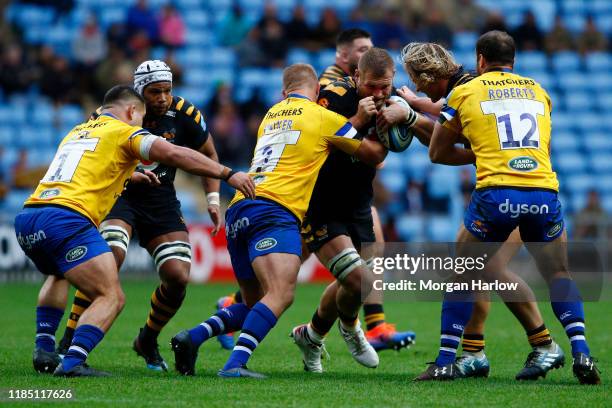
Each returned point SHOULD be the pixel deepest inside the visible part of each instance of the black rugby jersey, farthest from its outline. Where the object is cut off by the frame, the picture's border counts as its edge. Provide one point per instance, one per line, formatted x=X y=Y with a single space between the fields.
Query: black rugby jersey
x=343 y=190
x=182 y=125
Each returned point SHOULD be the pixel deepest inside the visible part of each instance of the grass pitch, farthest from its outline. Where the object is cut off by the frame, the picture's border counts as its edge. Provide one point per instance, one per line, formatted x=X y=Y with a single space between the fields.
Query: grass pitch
x=344 y=383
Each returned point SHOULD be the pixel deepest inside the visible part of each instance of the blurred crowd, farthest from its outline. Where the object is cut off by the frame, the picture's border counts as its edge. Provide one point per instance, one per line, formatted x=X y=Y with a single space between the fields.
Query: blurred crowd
x=100 y=58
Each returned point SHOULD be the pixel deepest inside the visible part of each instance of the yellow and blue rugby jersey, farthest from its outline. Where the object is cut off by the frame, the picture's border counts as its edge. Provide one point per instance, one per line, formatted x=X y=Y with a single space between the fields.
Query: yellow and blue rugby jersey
x=92 y=165
x=506 y=118
x=293 y=141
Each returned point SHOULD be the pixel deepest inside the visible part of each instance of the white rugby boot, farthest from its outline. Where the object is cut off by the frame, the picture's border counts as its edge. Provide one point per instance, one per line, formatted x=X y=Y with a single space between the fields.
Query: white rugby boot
x=358 y=345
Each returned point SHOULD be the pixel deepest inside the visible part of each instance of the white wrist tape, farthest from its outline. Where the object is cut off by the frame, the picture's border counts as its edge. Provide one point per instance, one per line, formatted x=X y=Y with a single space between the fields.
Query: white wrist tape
x=213 y=198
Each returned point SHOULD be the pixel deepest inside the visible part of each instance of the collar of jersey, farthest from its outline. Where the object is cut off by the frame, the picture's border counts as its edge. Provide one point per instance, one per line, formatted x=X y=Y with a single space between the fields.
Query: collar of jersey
x=297 y=95
x=110 y=115
x=500 y=69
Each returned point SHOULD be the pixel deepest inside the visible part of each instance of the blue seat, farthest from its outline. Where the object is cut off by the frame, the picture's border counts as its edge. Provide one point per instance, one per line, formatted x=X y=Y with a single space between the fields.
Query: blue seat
x=598 y=62
x=579 y=102
x=417 y=163
x=464 y=41
x=253 y=77
x=189 y=207
x=566 y=61
x=467 y=59
x=43 y=114
x=588 y=123
x=569 y=162
x=411 y=227
x=225 y=75
x=14 y=200
x=197 y=77
x=401 y=78
x=604 y=100
x=196 y=19
x=223 y=57
x=572 y=82
x=564 y=140
x=6 y=136
x=40 y=157
x=530 y=61
x=191 y=56
x=195 y=95
x=443 y=181
x=597 y=142
x=545 y=80
x=606 y=203
x=597 y=7
x=71 y=115
x=299 y=55
x=579 y=183
x=189 y=4
x=441 y=229
x=602 y=162
x=393 y=162
x=394 y=181
x=604 y=184
x=325 y=58
x=198 y=38
x=562 y=120
x=111 y=15
x=600 y=81
x=575 y=203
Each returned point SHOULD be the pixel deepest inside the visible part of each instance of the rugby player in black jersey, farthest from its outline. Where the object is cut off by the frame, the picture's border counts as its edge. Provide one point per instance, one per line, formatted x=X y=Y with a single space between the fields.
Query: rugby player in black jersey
x=154 y=212
x=339 y=218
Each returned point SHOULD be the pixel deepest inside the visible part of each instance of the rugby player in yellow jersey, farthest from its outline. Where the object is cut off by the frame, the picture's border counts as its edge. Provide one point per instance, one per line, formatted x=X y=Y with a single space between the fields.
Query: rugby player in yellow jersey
x=435 y=73
x=293 y=142
x=57 y=229
x=506 y=118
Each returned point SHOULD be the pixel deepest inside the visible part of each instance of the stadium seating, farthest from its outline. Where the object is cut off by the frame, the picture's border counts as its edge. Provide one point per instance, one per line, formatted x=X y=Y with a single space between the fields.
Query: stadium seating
x=579 y=86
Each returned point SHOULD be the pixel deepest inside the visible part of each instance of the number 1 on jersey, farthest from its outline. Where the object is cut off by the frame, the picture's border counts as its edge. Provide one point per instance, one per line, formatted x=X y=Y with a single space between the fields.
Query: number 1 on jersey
x=67 y=159
x=516 y=118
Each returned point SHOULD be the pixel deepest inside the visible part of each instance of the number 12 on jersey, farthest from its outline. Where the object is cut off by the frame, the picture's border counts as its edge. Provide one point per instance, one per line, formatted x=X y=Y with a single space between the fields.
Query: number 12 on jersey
x=517 y=124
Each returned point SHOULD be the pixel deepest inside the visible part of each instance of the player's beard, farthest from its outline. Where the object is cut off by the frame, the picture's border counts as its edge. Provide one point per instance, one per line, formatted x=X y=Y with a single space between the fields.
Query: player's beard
x=380 y=103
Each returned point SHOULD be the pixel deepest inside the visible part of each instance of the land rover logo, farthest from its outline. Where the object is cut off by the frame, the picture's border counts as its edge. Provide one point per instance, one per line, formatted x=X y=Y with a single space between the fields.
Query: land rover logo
x=265 y=243
x=76 y=253
x=49 y=193
x=523 y=163
x=555 y=229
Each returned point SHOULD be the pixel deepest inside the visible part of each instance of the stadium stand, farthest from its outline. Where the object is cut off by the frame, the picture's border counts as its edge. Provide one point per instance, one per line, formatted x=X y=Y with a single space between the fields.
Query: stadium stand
x=31 y=118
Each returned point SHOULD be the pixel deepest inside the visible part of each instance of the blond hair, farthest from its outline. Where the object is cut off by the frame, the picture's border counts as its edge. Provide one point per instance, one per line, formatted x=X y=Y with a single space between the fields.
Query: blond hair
x=428 y=62
x=298 y=76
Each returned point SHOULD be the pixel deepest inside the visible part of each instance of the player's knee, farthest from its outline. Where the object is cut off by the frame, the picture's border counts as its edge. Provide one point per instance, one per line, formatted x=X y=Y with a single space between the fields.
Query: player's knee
x=175 y=274
x=118 y=240
x=344 y=263
x=119 y=300
x=283 y=292
x=287 y=298
x=358 y=282
x=174 y=252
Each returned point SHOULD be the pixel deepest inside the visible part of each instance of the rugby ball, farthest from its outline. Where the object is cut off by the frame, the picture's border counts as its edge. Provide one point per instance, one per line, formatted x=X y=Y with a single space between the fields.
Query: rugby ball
x=397 y=138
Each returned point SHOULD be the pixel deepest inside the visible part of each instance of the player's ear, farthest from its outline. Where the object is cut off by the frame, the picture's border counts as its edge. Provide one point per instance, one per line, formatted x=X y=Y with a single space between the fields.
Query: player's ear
x=480 y=63
x=130 y=112
x=285 y=93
